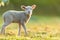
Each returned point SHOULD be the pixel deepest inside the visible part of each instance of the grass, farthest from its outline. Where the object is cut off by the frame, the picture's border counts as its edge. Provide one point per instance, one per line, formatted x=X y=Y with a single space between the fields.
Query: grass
x=38 y=28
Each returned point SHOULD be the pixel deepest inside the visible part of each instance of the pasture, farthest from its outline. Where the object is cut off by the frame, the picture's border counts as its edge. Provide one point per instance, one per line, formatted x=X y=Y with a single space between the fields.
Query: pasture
x=38 y=28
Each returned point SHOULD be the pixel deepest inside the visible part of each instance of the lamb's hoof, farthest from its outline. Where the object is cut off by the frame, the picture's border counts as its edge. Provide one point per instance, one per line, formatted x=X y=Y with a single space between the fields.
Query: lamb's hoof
x=18 y=34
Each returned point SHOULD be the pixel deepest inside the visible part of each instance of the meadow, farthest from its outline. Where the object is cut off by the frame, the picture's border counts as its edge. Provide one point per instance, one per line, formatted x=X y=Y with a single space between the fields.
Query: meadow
x=38 y=28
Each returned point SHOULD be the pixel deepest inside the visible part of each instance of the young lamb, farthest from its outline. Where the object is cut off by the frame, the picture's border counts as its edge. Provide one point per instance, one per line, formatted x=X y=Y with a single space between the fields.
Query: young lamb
x=20 y=17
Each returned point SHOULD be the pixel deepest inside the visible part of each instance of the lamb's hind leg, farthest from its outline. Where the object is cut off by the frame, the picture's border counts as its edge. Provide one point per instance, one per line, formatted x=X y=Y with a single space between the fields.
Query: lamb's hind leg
x=3 y=28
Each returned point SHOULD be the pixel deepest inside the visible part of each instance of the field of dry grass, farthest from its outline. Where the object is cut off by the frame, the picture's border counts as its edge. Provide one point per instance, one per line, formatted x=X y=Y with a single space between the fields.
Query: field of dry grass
x=38 y=28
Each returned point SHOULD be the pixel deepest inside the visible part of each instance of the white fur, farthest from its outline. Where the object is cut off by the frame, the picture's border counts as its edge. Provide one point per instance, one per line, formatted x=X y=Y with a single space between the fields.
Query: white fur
x=20 y=17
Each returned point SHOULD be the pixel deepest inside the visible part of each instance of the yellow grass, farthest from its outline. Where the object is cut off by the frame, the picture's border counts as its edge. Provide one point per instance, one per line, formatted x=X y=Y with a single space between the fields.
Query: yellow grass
x=38 y=29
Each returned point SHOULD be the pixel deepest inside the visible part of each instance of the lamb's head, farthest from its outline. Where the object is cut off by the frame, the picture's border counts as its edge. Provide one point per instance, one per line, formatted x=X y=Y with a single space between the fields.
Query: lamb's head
x=28 y=9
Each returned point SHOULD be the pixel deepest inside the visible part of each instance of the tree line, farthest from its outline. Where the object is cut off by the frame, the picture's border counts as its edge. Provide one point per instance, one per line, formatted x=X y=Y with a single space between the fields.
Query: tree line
x=44 y=7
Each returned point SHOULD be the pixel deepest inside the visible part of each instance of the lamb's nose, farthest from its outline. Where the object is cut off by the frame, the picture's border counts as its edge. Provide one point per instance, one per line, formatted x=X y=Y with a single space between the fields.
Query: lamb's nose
x=28 y=11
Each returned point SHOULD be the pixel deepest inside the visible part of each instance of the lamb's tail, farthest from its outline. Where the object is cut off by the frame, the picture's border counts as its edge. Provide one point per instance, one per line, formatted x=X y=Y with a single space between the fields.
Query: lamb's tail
x=4 y=19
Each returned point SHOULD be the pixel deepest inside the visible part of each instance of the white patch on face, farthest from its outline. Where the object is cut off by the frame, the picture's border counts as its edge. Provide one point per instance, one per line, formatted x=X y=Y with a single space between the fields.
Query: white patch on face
x=28 y=9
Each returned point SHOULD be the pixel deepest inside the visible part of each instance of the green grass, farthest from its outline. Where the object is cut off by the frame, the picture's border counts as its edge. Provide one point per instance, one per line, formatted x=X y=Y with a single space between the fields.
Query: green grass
x=38 y=28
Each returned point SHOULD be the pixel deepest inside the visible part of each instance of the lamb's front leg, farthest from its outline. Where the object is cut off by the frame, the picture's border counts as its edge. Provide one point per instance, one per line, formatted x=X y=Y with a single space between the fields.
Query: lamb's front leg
x=19 y=29
x=24 y=27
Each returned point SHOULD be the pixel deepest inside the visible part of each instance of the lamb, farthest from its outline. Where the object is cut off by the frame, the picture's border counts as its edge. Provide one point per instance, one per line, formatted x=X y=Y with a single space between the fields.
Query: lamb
x=20 y=17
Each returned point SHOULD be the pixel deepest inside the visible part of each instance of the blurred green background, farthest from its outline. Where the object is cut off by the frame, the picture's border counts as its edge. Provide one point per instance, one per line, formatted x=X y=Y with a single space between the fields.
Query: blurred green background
x=43 y=25
x=44 y=7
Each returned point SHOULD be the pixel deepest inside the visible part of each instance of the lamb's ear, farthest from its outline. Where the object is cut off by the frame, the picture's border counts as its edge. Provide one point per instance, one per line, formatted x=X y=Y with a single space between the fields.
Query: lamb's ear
x=23 y=7
x=33 y=6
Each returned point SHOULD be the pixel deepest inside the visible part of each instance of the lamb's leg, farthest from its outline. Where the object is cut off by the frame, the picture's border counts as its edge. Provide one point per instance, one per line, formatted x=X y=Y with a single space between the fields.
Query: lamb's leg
x=19 y=29
x=24 y=27
x=3 y=28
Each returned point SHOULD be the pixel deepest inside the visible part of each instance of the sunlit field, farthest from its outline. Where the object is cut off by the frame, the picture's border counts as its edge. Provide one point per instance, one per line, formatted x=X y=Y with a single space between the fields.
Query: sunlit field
x=38 y=28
